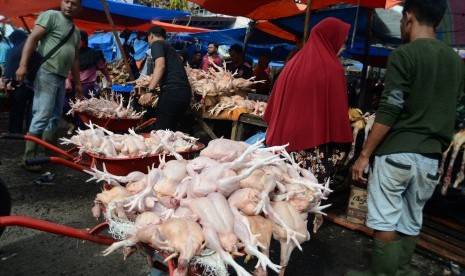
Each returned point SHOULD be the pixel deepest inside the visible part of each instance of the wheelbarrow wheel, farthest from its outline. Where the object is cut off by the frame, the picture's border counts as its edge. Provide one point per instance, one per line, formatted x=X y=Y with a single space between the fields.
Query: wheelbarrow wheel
x=5 y=204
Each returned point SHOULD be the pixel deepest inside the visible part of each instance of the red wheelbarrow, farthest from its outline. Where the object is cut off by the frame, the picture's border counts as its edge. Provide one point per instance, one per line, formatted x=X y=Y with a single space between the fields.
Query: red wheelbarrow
x=116 y=166
x=116 y=124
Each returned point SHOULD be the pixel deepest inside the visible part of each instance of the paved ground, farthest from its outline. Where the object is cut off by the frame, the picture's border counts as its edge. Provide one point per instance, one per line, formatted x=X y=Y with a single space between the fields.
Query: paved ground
x=30 y=252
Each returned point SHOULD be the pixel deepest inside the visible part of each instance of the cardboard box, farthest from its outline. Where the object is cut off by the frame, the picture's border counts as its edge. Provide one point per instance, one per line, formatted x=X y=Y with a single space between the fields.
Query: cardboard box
x=357 y=207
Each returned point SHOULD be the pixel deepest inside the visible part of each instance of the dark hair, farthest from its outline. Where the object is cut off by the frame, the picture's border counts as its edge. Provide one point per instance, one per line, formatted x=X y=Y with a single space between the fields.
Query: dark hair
x=429 y=12
x=197 y=52
x=157 y=31
x=214 y=44
x=236 y=48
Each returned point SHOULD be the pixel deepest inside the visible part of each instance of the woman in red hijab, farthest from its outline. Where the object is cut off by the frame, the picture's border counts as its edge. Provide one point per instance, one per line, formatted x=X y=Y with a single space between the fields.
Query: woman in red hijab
x=308 y=105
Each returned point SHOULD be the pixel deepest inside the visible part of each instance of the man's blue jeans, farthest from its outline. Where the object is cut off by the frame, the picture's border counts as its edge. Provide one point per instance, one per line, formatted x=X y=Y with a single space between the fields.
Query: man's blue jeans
x=49 y=93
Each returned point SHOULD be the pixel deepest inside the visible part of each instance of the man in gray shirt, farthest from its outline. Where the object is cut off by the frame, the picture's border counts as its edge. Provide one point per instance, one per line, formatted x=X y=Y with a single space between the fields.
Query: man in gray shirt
x=50 y=29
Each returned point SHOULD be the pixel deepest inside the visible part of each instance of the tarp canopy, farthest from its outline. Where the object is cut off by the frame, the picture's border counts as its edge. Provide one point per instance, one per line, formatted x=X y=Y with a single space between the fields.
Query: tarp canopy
x=259 y=43
x=106 y=43
x=92 y=17
x=134 y=11
x=452 y=27
x=262 y=39
x=296 y=24
x=318 y=4
x=135 y=18
x=253 y=9
x=92 y=21
x=273 y=9
x=16 y=8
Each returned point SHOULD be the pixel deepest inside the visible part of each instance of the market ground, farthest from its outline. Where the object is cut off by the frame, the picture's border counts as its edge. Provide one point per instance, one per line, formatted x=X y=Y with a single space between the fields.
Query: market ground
x=24 y=251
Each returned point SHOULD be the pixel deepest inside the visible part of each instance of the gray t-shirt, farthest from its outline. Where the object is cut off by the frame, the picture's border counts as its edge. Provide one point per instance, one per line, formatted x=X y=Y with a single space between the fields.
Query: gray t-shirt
x=58 y=26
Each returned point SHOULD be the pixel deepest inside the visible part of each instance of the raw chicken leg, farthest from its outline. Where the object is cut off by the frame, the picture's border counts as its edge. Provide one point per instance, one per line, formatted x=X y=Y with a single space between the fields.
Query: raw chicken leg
x=293 y=220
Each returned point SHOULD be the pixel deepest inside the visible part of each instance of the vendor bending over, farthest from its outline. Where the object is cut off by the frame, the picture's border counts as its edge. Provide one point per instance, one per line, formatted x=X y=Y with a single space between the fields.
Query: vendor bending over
x=169 y=74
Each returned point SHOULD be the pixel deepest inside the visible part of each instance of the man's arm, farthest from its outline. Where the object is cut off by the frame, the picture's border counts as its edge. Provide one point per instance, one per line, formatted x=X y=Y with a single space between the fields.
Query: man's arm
x=76 y=75
x=37 y=34
x=377 y=134
x=157 y=72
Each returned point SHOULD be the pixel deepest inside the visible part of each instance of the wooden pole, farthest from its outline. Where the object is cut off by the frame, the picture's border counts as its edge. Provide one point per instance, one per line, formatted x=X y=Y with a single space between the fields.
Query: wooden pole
x=115 y=34
x=25 y=24
x=307 y=20
x=248 y=33
x=364 y=99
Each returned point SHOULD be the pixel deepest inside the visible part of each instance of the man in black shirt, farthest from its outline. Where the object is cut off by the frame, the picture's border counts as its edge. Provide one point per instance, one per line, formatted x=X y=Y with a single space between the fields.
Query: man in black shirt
x=237 y=63
x=169 y=74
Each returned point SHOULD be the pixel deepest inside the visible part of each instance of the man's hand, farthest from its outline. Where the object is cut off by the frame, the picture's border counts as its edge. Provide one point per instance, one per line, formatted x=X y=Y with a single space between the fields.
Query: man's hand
x=21 y=73
x=359 y=167
x=78 y=92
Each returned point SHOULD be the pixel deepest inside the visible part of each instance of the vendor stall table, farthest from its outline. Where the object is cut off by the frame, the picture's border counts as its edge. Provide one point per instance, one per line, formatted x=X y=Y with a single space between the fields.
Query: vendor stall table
x=247 y=119
x=238 y=117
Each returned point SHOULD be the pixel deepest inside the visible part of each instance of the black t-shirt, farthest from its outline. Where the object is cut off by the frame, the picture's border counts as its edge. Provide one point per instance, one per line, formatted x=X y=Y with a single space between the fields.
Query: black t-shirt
x=175 y=75
x=244 y=70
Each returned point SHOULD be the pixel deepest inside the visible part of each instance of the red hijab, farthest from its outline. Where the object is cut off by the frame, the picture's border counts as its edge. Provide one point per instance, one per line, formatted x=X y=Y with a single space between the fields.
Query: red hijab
x=308 y=105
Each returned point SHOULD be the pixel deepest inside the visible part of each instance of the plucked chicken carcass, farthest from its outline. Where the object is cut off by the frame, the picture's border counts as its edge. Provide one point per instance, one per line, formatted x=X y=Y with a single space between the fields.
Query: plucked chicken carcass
x=169 y=236
x=104 y=199
x=224 y=150
x=457 y=143
x=217 y=222
x=262 y=229
x=292 y=219
x=359 y=122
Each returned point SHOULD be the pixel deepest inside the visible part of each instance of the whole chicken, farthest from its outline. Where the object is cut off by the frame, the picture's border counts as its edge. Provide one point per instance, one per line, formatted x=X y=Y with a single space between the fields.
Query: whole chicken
x=224 y=150
x=262 y=228
x=172 y=174
x=104 y=198
x=293 y=220
x=170 y=236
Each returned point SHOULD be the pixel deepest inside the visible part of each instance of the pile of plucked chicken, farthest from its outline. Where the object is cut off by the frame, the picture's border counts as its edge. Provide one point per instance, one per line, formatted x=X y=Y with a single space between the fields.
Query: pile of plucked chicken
x=107 y=106
x=231 y=103
x=101 y=142
x=217 y=81
x=230 y=200
x=118 y=72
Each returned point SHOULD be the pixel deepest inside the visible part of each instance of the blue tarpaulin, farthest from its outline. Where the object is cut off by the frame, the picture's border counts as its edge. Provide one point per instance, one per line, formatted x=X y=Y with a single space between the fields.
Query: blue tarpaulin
x=296 y=24
x=135 y=11
x=259 y=42
x=103 y=42
x=106 y=43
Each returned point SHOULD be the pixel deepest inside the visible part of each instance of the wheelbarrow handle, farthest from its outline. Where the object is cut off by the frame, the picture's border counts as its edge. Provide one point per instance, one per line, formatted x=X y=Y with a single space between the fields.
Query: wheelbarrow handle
x=55 y=160
x=38 y=161
x=145 y=124
x=12 y=136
